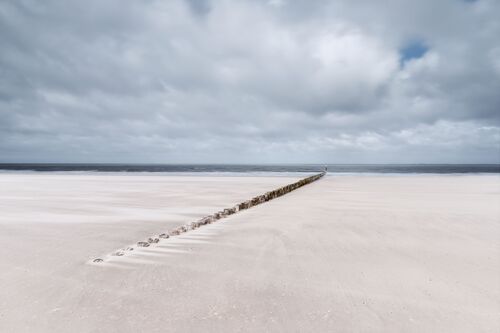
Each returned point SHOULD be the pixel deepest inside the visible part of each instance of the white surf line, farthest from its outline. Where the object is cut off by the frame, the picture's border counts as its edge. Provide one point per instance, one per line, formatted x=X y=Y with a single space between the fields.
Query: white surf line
x=154 y=240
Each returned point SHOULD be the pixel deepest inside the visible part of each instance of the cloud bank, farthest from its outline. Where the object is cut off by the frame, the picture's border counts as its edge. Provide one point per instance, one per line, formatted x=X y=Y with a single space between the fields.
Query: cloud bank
x=250 y=81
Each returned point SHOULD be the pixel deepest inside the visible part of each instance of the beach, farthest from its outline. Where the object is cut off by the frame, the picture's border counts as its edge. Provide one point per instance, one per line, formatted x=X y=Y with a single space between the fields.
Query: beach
x=356 y=253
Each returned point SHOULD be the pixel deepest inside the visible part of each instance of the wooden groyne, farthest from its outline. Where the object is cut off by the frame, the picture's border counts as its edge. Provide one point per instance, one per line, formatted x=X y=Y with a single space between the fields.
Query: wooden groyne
x=220 y=214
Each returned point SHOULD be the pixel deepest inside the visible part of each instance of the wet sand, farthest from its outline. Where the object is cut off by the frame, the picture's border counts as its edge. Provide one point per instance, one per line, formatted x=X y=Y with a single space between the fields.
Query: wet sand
x=354 y=253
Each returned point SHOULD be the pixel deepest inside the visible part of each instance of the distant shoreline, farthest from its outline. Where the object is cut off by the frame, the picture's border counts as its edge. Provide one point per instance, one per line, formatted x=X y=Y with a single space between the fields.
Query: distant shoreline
x=253 y=169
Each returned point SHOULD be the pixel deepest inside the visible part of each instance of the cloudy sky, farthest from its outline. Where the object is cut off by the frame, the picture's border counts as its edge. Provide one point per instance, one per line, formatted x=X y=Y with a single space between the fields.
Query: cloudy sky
x=279 y=81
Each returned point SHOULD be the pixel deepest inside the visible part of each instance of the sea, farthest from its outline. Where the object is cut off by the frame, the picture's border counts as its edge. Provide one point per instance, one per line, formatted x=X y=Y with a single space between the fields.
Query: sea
x=252 y=169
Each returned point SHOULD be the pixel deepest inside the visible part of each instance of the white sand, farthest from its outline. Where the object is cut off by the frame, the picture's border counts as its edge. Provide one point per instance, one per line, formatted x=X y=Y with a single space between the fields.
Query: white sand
x=405 y=253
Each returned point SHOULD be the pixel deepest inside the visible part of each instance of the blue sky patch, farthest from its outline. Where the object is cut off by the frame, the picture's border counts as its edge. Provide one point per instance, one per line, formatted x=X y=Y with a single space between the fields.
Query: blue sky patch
x=413 y=50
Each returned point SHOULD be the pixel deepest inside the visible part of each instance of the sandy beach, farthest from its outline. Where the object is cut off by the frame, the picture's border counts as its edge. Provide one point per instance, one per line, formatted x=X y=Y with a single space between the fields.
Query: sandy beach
x=366 y=253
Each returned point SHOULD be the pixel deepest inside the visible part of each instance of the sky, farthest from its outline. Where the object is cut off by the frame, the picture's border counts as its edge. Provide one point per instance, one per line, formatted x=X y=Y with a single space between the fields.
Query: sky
x=261 y=81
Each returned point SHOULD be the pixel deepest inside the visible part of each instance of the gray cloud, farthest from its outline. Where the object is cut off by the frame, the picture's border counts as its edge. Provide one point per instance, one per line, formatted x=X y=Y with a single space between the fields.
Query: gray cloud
x=249 y=81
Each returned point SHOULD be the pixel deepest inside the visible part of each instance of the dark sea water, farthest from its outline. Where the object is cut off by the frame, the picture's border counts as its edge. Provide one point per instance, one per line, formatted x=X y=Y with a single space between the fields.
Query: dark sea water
x=228 y=168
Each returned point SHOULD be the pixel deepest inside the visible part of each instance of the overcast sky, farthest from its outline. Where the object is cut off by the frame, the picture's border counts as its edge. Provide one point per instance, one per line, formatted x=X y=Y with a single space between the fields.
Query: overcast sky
x=278 y=81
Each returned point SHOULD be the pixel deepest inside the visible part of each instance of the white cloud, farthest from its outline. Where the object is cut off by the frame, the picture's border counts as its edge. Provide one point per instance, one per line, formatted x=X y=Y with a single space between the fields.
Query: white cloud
x=279 y=81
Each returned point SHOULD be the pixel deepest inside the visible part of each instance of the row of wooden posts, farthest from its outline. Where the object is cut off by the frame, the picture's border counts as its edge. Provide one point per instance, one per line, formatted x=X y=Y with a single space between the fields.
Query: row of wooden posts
x=223 y=213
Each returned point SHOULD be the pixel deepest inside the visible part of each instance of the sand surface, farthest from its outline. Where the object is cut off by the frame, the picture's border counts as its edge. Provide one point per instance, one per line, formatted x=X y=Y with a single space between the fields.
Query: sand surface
x=357 y=253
